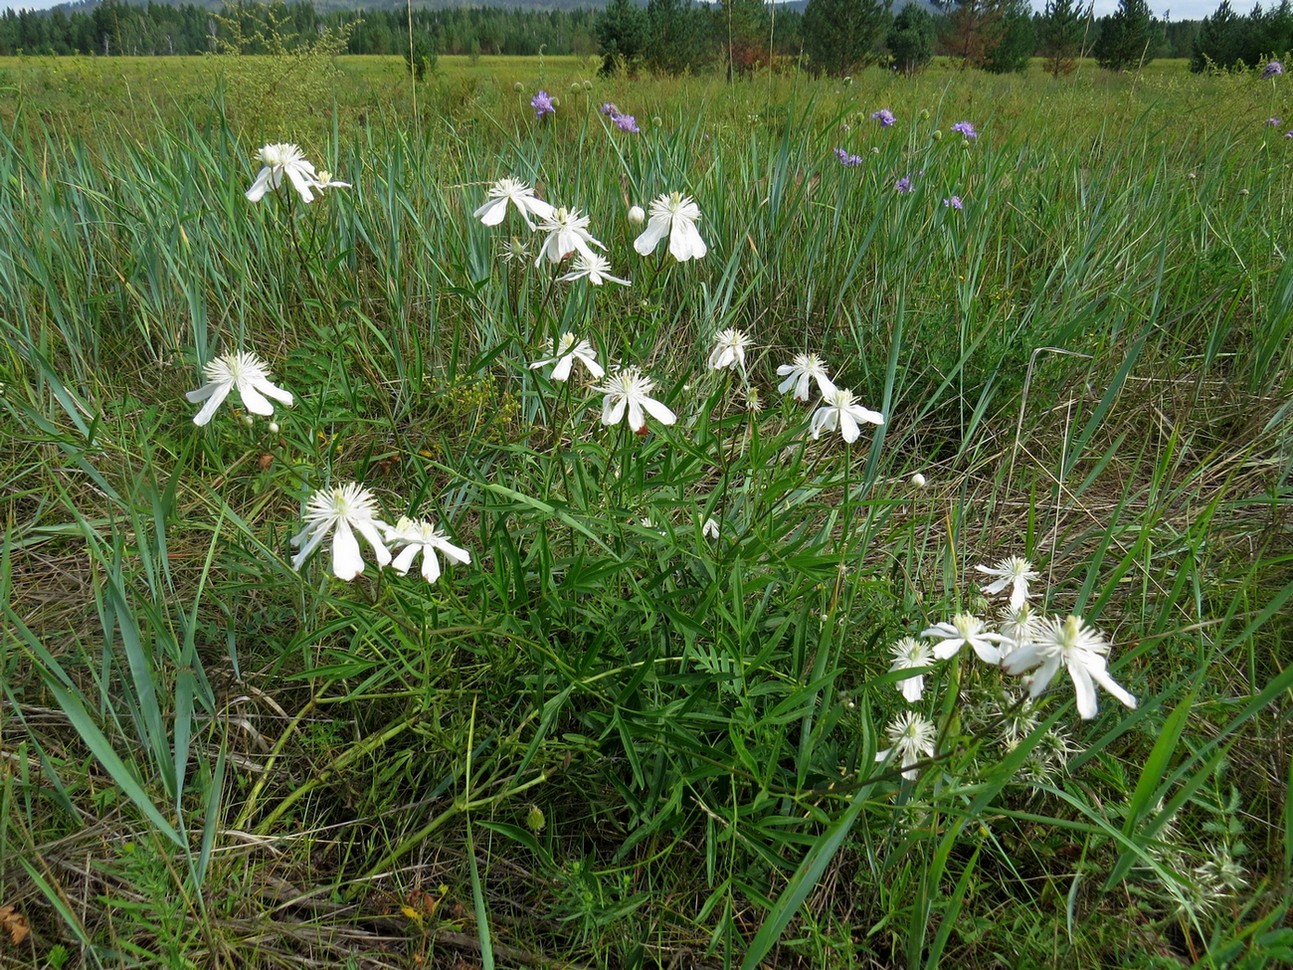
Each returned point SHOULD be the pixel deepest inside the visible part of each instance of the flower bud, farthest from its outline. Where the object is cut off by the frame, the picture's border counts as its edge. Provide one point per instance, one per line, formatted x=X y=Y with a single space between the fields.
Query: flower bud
x=248 y=420
x=534 y=819
x=938 y=134
x=918 y=480
x=924 y=114
x=273 y=427
x=518 y=86
x=636 y=215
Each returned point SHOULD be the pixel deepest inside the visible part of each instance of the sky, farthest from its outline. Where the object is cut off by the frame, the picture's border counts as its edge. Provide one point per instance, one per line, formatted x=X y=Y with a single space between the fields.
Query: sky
x=1178 y=9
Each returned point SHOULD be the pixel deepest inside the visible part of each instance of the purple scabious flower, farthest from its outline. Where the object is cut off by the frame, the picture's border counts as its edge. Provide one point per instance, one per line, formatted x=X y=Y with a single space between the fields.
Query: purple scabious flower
x=609 y=109
x=846 y=159
x=954 y=203
x=903 y=185
x=1273 y=69
x=542 y=105
x=884 y=116
x=1274 y=122
x=1288 y=134
x=966 y=129
x=626 y=123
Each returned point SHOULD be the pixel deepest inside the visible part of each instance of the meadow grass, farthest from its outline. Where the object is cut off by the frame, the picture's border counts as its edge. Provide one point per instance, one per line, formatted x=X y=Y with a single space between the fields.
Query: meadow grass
x=614 y=739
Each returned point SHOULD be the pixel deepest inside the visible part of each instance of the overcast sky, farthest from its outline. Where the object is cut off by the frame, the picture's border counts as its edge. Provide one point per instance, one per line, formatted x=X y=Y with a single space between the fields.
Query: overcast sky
x=1178 y=9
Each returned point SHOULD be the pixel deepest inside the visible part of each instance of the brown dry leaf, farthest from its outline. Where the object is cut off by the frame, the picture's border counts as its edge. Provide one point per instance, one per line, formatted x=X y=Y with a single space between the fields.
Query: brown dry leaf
x=14 y=923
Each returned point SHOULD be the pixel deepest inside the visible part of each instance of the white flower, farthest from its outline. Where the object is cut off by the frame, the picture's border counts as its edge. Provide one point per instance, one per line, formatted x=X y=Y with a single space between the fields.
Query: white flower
x=568 y=351
x=627 y=392
x=248 y=373
x=636 y=215
x=1013 y=572
x=520 y=195
x=1079 y=647
x=279 y=160
x=911 y=654
x=912 y=736
x=729 y=350
x=673 y=214
x=567 y=233
x=710 y=530
x=324 y=180
x=965 y=628
x=596 y=268
x=1018 y=626
x=342 y=510
x=838 y=409
x=420 y=536
x=805 y=368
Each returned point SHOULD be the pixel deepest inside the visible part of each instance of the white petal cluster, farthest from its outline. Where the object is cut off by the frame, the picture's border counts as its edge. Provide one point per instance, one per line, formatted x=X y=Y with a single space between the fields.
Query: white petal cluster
x=912 y=737
x=674 y=215
x=729 y=350
x=804 y=369
x=283 y=160
x=420 y=537
x=1082 y=649
x=840 y=410
x=342 y=511
x=520 y=195
x=911 y=654
x=965 y=629
x=1014 y=572
x=567 y=232
x=628 y=396
x=246 y=373
x=597 y=270
x=568 y=350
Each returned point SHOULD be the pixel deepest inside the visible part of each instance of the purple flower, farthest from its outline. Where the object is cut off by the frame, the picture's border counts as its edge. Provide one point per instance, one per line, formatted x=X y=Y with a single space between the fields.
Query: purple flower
x=609 y=109
x=966 y=129
x=1273 y=69
x=626 y=123
x=903 y=185
x=884 y=116
x=542 y=105
x=953 y=203
x=846 y=159
x=1274 y=122
x=1288 y=134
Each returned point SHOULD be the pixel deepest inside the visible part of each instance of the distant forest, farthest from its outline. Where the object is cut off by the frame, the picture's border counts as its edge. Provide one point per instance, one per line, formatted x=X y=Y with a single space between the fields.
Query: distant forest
x=114 y=27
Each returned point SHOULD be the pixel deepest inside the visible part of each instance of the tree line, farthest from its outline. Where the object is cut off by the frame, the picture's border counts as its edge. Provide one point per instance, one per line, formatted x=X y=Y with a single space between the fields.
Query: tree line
x=835 y=37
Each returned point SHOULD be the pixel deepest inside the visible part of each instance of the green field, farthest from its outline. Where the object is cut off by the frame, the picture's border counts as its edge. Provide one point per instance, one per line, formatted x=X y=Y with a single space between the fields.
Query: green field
x=645 y=724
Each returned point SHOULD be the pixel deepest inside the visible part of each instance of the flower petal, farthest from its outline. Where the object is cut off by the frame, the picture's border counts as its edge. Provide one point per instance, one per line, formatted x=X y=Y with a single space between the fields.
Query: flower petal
x=646 y=243
x=347 y=563
x=214 y=401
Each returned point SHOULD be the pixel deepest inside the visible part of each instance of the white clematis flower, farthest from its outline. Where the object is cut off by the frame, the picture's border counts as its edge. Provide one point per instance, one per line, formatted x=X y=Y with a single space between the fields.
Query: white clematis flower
x=911 y=654
x=965 y=629
x=628 y=393
x=840 y=410
x=279 y=160
x=325 y=181
x=674 y=215
x=911 y=736
x=729 y=350
x=520 y=195
x=596 y=268
x=241 y=370
x=1014 y=572
x=567 y=232
x=342 y=511
x=804 y=368
x=568 y=351
x=420 y=536
x=1077 y=646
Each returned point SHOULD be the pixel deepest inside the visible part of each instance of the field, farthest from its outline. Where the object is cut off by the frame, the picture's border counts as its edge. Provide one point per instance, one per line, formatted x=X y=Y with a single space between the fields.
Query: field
x=647 y=711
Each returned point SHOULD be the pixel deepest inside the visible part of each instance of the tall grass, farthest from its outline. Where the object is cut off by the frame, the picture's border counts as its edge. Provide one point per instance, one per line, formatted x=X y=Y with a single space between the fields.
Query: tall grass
x=613 y=738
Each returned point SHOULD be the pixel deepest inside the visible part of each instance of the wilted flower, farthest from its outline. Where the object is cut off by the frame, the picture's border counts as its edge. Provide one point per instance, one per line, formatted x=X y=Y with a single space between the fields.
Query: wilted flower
x=884 y=116
x=636 y=216
x=241 y=370
x=628 y=393
x=596 y=268
x=676 y=215
x=569 y=350
x=966 y=129
x=343 y=511
x=964 y=629
x=911 y=736
x=542 y=105
x=911 y=654
x=512 y=190
x=420 y=536
x=516 y=250
x=1077 y=646
x=840 y=410
x=1273 y=69
x=804 y=368
x=729 y=350
x=278 y=160
x=567 y=233
x=953 y=203
x=847 y=160
x=710 y=530
x=609 y=109
x=1014 y=572
x=324 y=181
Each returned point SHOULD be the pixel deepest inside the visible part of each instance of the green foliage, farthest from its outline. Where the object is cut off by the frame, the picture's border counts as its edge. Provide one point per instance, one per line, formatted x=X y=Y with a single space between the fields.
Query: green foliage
x=1012 y=39
x=1060 y=35
x=840 y=36
x=911 y=39
x=421 y=58
x=1125 y=37
x=622 y=36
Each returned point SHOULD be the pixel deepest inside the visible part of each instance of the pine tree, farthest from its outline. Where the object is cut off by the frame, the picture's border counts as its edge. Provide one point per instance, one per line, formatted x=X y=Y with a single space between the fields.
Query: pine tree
x=842 y=35
x=1010 y=42
x=1060 y=35
x=621 y=36
x=1125 y=37
x=911 y=39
